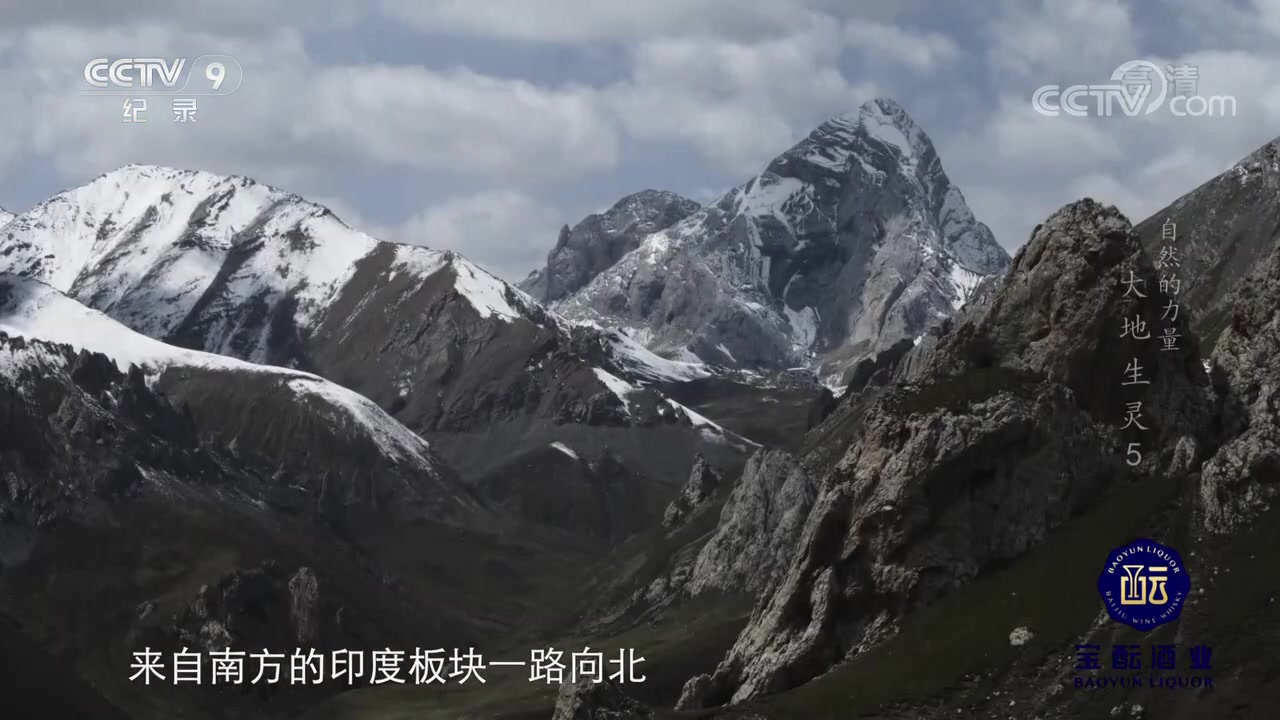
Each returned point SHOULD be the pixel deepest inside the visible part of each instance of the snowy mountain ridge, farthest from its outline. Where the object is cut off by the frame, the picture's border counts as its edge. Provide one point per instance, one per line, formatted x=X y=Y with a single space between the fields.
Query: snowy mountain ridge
x=601 y=239
x=34 y=310
x=236 y=268
x=849 y=241
x=168 y=251
x=161 y=249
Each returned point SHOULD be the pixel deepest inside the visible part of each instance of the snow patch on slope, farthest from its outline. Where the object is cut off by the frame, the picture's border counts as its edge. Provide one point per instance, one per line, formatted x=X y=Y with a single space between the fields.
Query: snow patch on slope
x=565 y=449
x=486 y=293
x=616 y=385
x=884 y=121
x=804 y=325
x=644 y=364
x=418 y=260
x=709 y=429
x=964 y=281
x=34 y=310
x=886 y=132
x=768 y=194
x=395 y=439
x=144 y=244
x=14 y=362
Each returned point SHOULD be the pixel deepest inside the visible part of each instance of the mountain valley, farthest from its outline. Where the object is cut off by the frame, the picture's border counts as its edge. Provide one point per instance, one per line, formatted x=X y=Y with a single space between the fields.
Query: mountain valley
x=817 y=449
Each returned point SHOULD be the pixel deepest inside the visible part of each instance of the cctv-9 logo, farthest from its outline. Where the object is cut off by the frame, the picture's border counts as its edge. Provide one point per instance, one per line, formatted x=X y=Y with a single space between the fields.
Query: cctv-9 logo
x=208 y=75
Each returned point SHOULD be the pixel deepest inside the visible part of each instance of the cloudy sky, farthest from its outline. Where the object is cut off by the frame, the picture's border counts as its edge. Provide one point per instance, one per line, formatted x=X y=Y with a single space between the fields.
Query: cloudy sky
x=483 y=125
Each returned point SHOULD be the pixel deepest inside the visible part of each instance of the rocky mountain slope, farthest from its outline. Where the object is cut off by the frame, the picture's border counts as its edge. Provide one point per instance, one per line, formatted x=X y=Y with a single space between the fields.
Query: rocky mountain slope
x=1222 y=230
x=5 y=217
x=231 y=399
x=233 y=267
x=194 y=499
x=601 y=239
x=120 y=506
x=931 y=550
x=1222 y=517
x=848 y=242
x=1240 y=481
x=996 y=432
x=920 y=553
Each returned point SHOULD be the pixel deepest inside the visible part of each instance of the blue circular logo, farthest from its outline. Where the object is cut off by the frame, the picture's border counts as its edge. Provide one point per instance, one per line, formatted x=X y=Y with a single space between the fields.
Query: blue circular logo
x=1144 y=584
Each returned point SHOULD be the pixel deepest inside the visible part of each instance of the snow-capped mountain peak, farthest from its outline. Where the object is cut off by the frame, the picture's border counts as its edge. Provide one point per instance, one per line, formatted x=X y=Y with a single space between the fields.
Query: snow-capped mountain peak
x=220 y=263
x=886 y=121
x=143 y=233
x=846 y=243
x=5 y=217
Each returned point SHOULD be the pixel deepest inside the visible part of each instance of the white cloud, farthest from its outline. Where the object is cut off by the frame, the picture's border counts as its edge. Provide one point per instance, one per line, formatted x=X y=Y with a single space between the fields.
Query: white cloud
x=621 y=20
x=737 y=103
x=240 y=16
x=921 y=51
x=459 y=121
x=1052 y=145
x=737 y=82
x=292 y=117
x=1268 y=14
x=505 y=231
x=1061 y=36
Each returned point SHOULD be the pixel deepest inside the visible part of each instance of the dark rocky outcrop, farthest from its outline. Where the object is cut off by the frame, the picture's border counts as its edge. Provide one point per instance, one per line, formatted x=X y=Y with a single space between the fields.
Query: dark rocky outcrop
x=587 y=700
x=262 y=607
x=1059 y=314
x=601 y=239
x=701 y=486
x=753 y=539
x=1222 y=230
x=556 y=488
x=759 y=527
x=1241 y=480
x=994 y=432
x=125 y=512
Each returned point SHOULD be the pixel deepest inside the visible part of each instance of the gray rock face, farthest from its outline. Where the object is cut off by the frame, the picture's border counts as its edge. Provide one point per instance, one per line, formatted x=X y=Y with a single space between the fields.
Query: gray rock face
x=1240 y=481
x=586 y=700
x=759 y=527
x=601 y=239
x=755 y=536
x=845 y=244
x=1060 y=313
x=995 y=431
x=304 y=604
x=702 y=485
x=103 y=476
x=925 y=501
x=258 y=606
x=1222 y=230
